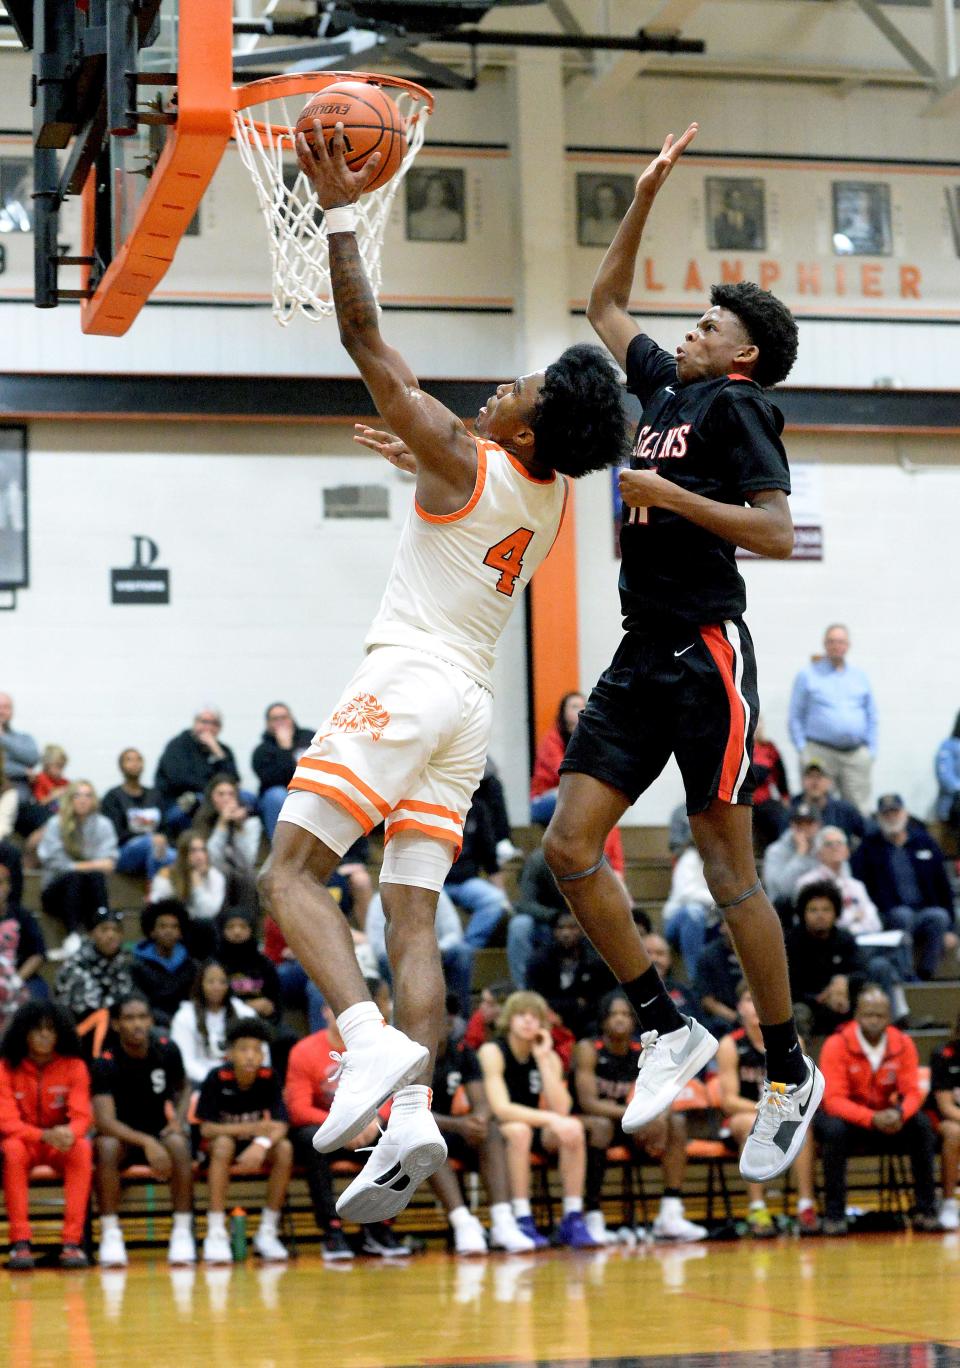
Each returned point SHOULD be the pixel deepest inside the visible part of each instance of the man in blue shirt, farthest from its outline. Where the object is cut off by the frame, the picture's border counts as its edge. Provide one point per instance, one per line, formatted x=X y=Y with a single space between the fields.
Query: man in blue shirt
x=833 y=719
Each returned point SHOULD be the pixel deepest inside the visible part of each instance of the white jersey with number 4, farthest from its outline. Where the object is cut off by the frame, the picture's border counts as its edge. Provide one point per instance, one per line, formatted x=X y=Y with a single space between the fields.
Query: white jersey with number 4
x=456 y=577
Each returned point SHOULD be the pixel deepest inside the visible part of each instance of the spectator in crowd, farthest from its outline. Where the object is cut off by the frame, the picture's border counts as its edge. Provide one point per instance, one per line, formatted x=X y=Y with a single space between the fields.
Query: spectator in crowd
x=571 y=976
x=790 y=857
x=354 y=871
x=312 y=1073
x=490 y=791
x=903 y=870
x=77 y=850
x=771 y=798
x=817 y=792
x=22 y=952
x=297 y=990
x=528 y=1097
x=232 y=832
x=530 y=928
x=689 y=910
x=140 y=1098
x=680 y=994
x=833 y=718
x=196 y=883
x=187 y=765
x=242 y=1122
x=831 y=847
x=485 y=903
x=162 y=969
x=546 y=766
x=21 y=753
x=44 y=1119
x=827 y=970
x=474 y=1140
x=49 y=784
x=945 y=1091
x=99 y=974
x=947 y=767
x=605 y=1071
x=199 y=1027
x=456 y=954
x=253 y=979
x=275 y=759
x=9 y=804
x=718 y=974
x=872 y=1105
x=741 y=1069
x=482 y=1025
x=134 y=811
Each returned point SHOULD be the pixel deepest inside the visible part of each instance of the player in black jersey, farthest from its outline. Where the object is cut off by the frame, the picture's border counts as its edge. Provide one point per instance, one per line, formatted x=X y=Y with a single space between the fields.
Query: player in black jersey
x=741 y=1072
x=605 y=1071
x=945 y=1091
x=708 y=474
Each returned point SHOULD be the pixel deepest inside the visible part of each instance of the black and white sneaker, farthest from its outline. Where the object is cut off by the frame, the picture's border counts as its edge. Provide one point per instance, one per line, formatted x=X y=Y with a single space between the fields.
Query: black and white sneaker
x=335 y=1248
x=783 y=1118
x=380 y=1242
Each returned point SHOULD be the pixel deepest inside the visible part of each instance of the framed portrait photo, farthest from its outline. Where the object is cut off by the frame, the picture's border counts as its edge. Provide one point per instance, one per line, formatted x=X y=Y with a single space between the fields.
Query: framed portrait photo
x=602 y=201
x=436 y=199
x=14 y=527
x=736 y=214
x=861 y=219
x=16 y=184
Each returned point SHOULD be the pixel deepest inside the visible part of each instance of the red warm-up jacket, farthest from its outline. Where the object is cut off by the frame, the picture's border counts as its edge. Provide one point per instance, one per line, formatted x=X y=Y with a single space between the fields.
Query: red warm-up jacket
x=34 y=1099
x=855 y=1092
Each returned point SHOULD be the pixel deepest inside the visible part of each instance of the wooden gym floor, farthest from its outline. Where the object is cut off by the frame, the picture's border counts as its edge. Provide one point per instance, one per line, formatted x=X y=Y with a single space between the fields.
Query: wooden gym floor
x=867 y=1302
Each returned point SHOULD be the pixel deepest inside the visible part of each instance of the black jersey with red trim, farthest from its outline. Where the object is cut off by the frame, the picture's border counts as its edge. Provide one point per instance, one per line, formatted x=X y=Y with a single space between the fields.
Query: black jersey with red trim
x=616 y=1073
x=719 y=438
x=223 y=1100
x=751 y=1065
x=945 y=1070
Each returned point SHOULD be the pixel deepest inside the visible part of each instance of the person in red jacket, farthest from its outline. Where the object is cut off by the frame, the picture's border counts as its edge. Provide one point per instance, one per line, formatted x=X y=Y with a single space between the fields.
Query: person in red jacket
x=45 y=1115
x=872 y=1105
x=312 y=1072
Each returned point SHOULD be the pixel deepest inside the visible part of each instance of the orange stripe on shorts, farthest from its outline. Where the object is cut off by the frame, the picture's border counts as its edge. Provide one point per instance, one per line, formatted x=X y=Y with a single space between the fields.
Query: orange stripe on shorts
x=329 y=767
x=336 y=796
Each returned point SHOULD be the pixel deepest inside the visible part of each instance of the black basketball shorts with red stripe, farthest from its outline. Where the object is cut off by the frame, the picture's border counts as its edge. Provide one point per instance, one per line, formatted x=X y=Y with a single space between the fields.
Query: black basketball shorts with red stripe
x=674 y=689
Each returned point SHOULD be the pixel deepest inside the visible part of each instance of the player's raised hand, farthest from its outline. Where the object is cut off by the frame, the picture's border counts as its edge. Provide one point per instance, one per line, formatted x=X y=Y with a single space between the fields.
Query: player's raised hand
x=670 y=153
x=325 y=166
x=391 y=448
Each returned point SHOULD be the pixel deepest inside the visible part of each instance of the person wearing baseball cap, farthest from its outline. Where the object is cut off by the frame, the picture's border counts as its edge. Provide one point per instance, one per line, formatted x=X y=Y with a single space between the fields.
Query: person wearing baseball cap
x=819 y=792
x=904 y=872
x=790 y=857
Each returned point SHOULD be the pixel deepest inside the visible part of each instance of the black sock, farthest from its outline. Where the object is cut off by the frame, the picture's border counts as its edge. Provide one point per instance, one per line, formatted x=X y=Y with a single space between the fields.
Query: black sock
x=784 y=1056
x=653 y=1005
x=596 y=1168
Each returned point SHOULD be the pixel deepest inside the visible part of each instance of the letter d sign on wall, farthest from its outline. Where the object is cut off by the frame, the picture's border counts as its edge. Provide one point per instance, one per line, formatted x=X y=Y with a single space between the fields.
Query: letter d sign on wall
x=143 y=582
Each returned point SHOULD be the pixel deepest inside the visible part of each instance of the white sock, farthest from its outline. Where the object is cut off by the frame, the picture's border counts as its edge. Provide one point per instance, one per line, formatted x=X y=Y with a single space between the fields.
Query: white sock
x=459 y=1216
x=521 y=1208
x=572 y=1205
x=269 y=1221
x=757 y=1206
x=216 y=1223
x=671 y=1206
x=501 y=1214
x=949 y=1202
x=805 y=1204
x=182 y=1220
x=359 y=1024
x=108 y=1223
x=417 y=1097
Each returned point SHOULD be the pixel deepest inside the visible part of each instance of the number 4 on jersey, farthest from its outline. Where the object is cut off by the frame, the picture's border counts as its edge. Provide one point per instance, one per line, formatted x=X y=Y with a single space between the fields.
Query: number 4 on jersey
x=507 y=557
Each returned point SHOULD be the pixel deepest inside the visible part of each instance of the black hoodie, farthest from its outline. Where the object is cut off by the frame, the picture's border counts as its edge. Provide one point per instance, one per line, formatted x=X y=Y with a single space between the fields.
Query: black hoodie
x=273 y=766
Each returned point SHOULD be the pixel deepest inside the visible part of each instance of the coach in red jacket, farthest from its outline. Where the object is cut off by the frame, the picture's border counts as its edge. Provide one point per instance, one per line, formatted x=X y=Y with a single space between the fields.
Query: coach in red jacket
x=872 y=1106
x=45 y=1115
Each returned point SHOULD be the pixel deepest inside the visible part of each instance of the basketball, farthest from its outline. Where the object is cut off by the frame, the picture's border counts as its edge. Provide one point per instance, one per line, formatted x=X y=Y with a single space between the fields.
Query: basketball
x=371 y=123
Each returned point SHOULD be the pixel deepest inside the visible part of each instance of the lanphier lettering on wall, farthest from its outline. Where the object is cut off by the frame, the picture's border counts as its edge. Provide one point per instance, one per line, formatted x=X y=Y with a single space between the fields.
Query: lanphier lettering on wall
x=144 y=581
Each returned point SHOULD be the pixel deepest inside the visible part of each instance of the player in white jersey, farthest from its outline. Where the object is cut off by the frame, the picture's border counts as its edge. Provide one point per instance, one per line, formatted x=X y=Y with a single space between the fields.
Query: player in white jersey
x=407 y=741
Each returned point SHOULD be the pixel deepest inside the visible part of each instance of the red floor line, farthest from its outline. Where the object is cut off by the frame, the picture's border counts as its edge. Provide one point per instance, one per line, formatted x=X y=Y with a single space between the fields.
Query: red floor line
x=907 y=1337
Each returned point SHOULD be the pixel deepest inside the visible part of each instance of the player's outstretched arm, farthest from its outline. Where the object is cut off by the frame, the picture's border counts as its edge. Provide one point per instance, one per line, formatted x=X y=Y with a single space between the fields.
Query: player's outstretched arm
x=764 y=526
x=437 y=438
x=608 y=307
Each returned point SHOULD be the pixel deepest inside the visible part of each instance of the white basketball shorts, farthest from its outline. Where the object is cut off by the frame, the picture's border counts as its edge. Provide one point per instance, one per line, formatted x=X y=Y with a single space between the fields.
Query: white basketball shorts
x=405 y=745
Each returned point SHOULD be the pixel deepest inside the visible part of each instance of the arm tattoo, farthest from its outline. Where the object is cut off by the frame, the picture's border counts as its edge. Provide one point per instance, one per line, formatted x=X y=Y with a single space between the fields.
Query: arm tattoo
x=352 y=295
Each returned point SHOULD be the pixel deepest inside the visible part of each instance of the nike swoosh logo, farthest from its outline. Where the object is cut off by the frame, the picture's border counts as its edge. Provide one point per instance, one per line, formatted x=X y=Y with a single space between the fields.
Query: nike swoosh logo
x=685 y=650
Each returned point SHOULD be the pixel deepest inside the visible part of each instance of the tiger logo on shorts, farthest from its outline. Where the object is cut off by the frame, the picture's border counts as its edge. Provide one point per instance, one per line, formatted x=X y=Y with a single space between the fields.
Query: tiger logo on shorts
x=363 y=713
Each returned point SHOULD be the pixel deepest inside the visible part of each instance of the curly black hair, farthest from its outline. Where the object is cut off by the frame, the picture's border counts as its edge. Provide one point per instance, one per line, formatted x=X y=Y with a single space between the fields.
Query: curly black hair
x=164 y=907
x=769 y=324
x=578 y=420
x=249 y=1028
x=821 y=888
x=14 y=1048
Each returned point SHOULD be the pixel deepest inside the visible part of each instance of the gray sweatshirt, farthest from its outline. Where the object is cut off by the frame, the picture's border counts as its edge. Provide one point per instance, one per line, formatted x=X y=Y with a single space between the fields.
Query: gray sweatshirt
x=99 y=838
x=20 y=753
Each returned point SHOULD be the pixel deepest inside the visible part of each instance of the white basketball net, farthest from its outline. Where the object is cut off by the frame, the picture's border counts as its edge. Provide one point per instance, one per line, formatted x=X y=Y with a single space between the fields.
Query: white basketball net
x=298 y=240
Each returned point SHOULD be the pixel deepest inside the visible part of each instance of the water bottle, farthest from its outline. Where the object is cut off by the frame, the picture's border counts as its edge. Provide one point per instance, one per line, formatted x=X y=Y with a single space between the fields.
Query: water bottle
x=238 y=1234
